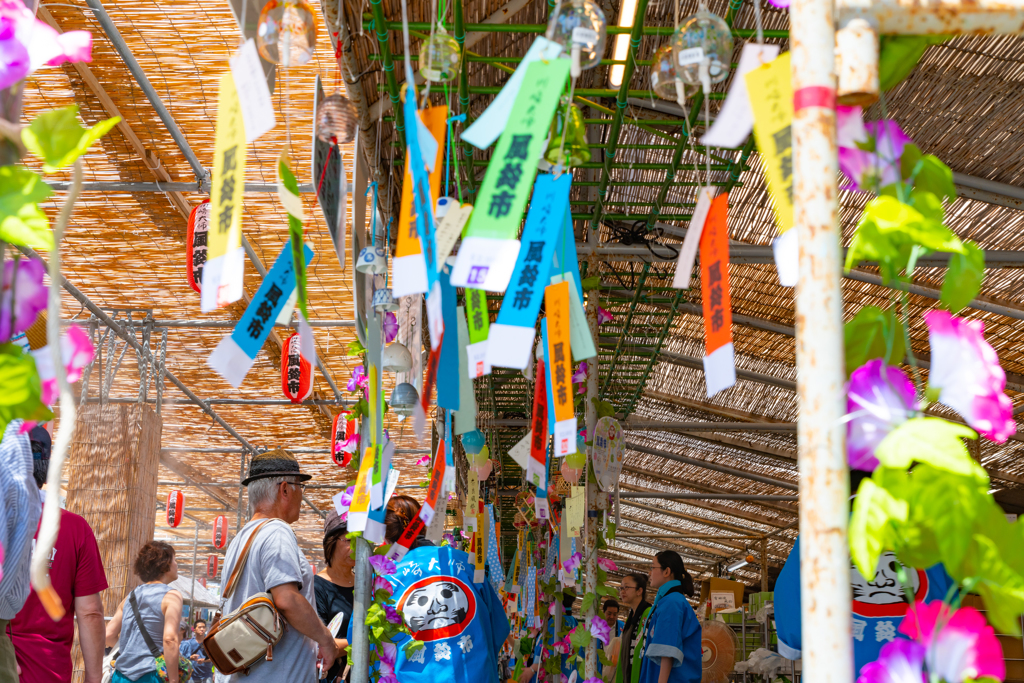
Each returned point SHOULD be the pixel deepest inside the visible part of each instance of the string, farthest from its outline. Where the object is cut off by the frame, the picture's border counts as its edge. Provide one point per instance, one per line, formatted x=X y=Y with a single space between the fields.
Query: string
x=373 y=225
x=757 y=22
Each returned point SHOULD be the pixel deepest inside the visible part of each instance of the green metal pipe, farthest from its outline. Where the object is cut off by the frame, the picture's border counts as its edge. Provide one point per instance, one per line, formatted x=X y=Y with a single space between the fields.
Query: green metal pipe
x=473 y=57
x=677 y=158
x=467 y=149
x=589 y=92
x=649 y=363
x=632 y=307
x=379 y=24
x=611 y=30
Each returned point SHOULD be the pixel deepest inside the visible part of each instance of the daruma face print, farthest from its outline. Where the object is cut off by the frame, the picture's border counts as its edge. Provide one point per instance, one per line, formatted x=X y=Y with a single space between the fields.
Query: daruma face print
x=437 y=607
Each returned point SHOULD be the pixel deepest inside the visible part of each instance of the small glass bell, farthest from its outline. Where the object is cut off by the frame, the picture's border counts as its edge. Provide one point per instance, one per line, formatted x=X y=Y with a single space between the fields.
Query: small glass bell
x=663 y=73
x=439 y=57
x=580 y=27
x=702 y=36
x=576 y=151
x=336 y=119
x=286 y=34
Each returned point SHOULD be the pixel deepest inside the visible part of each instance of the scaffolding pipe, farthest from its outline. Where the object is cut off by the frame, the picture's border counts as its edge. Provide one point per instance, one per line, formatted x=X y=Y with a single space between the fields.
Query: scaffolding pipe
x=202 y=187
x=823 y=476
x=217 y=324
x=674 y=495
x=715 y=467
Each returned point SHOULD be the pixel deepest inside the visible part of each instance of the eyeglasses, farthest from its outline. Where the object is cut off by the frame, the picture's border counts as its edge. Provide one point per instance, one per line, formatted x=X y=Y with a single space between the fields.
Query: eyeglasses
x=657 y=567
x=300 y=486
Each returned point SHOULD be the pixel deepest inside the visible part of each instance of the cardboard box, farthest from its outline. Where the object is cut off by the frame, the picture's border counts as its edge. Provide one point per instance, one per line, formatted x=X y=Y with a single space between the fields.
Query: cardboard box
x=716 y=584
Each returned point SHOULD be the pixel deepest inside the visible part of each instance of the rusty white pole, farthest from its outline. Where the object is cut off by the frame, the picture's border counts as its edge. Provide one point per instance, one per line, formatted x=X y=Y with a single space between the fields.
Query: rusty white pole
x=827 y=641
x=595 y=498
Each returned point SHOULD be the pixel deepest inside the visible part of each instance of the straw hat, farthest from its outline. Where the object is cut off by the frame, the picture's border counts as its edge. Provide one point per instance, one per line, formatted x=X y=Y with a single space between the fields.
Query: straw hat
x=275 y=463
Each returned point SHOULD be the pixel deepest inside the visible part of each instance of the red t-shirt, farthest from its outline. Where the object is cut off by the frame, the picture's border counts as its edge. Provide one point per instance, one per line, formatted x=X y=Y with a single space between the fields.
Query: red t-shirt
x=43 y=645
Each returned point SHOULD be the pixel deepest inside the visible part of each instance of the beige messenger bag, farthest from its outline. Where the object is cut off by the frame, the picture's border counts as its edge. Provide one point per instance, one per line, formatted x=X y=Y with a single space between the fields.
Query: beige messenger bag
x=247 y=635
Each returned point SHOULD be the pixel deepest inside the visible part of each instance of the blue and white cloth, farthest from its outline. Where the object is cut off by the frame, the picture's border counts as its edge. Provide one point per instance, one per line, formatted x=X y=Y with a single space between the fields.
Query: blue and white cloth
x=19 y=517
x=672 y=631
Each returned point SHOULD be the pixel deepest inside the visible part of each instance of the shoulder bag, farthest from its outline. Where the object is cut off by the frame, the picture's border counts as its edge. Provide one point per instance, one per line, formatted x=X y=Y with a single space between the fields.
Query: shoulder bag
x=247 y=635
x=184 y=665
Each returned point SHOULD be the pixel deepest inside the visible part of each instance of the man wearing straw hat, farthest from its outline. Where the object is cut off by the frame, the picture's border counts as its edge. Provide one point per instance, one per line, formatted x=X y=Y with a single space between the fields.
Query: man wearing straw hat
x=276 y=565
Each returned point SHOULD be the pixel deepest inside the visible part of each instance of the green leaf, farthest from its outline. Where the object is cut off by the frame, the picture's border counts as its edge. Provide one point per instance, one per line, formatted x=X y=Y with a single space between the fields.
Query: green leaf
x=28 y=227
x=1000 y=586
x=963 y=277
x=591 y=283
x=604 y=408
x=22 y=390
x=21 y=221
x=871 y=532
x=908 y=160
x=873 y=333
x=898 y=55
x=412 y=645
x=588 y=601
x=378 y=632
x=610 y=534
x=930 y=440
x=58 y=139
x=935 y=177
x=355 y=348
x=581 y=638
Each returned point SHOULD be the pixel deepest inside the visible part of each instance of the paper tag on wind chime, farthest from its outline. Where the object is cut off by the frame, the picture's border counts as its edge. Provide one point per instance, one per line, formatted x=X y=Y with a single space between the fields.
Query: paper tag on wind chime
x=330 y=181
x=225 y=258
x=511 y=340
x=478 y=318
x=448 y=363
x=357 y=511
x=236 y=352
x=575 y=511
x=771 y=98
x=688 y=252
x=421 y=408
x=448 y=230
x=253 y=93
x=520 y=453
x=719 y=364
x=540 y=501
x=735 y=119
x=537 y=464
x=288 y=194
x=489 y=249
x=408 y=268
x=556 y=303
x=472 y=499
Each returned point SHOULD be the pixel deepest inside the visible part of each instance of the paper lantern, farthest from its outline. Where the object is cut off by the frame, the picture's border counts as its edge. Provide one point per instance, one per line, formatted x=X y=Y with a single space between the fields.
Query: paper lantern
x=212 y=565
x=220 y=532
x=341 y=430
x=202 y=581
x=175 y=507
x=195 y=243
x=296 y=372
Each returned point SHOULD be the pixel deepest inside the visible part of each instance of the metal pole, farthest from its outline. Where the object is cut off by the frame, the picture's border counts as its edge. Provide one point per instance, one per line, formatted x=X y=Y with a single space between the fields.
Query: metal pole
x=192 y=593
x=360 y=603
x=670 y=495
x=824 y=481
x=593 y=378
x=764 y=565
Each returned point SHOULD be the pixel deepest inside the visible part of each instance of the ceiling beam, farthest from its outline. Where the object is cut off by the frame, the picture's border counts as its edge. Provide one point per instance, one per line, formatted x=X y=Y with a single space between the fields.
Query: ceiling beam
x=784 y=508
x=715 y=467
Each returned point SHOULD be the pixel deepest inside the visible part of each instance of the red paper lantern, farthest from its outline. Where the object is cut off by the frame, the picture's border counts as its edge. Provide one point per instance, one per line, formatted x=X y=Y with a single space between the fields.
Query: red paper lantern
x=296 y=372
x=212 y=564
x=341 y=429
x=220 y=532
x=175 y=507
x=195 y=243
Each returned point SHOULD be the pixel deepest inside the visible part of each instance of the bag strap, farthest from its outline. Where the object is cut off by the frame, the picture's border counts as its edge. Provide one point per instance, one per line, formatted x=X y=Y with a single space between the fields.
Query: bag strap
x=229 y=588
x=142 y=627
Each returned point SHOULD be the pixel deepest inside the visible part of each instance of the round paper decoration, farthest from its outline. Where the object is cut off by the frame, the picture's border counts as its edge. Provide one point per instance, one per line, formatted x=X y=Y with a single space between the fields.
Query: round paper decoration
x=212 y=565
x=296 y=372
x=341 y=429
x=609 y=445
x=220 y=532
x=195 y=244
x=175 y=507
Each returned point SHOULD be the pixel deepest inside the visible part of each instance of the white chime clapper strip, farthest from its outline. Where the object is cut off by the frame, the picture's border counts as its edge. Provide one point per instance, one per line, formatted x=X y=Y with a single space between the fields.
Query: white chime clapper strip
x=307 y=346
x=485 y=263
x=230 y=361
x=253 y=92
x=520 y=453
x=688 y=253
x=477 y=360
x=408 y=275
x=222 y=276
x=510 y=346
x=565 y=437
x=719 y=369
x=735 y=119
x=435 y=319
x=786 y=249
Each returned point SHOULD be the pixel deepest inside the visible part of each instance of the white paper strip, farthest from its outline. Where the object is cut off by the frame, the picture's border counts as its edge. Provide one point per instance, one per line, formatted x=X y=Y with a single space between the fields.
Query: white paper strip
x=476 y=355
x=448 y=230
x=230 y=361
x=408 y=275
x=688 y=254
x=719 y=369
x=253 y=93
x=565 y=437
x=735 y=119
x=580 y=340
x=307 y=346
x=222 y=280
x=786 y=249
x=520 y=453
x=510 y=346
x=389 y=490
x=485 y=263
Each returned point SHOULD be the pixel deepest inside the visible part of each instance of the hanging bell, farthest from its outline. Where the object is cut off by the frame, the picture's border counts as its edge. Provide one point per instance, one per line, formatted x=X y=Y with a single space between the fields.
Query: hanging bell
x=441 y=56
x=336 y=119
x=575 y=151
x=473 y=442
x=286 y=33
x=404 y=398
x=702 y=36
x=396 y=358
x=383 y=301
x=663 y=73
x=372 y=260
x=580 y=27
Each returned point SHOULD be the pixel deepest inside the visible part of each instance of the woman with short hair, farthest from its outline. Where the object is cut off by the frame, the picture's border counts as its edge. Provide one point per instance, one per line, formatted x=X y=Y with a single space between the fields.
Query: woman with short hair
x=334 y=588
x=672 y=650
x=159 y=607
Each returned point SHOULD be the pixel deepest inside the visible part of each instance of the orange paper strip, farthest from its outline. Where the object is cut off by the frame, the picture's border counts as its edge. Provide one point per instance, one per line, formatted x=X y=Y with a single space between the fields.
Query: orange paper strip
x=714 y=276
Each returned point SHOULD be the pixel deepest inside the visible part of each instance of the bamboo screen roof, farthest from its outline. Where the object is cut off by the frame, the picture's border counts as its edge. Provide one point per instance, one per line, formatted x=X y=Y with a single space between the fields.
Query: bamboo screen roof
x=961 y=103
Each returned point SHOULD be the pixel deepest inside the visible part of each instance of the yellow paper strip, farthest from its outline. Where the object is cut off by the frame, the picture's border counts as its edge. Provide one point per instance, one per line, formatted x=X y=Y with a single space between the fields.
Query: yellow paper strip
x=771 y=98
x=225 y=233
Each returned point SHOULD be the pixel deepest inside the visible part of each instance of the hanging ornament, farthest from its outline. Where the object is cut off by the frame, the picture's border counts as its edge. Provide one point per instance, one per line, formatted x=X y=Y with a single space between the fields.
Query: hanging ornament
x=440 y=55
x=702 y=36
x=372 y=260
x=396 y=358
x=473 y=442
x=403 y=401
x=342 y=445
x=336 y=119
x=195 y=243
x=580 y=27
x=220 y=532
x=212 y=565
x=483 y=471
x=568 y=126
x=296 y=372
x=175 y=507
x=286 y=34
x=663 y=73
x=570 y=474
x=383 y=300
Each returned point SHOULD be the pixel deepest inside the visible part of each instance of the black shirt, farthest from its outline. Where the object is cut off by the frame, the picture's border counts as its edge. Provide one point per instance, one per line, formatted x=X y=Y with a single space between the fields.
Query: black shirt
x=630 y=635
x=330 y=600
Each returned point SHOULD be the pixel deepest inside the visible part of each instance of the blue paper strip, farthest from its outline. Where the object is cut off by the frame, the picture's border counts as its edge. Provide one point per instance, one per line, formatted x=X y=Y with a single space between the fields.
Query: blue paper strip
x=493 y=560
x=448 y=364
x=449 y=460
x=254 y=327
x=531 y=582
x=547 y=372
x=565 y=250
x=421 y=199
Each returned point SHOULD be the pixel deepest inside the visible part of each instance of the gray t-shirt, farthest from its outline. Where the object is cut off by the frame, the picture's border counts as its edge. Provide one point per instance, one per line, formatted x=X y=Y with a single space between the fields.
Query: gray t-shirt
x=136 y=659
x=274 y=560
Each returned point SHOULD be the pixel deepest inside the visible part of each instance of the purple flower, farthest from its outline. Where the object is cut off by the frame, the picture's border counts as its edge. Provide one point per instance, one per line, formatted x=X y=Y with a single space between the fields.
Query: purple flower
x=27 y=44
x=606 y=564
x=346 y=497
x=392 y=614
x=879 y=398
x=899 y=662
x=600 y=629
x=581 y=373
x=30 y=296
x=871 y=171
x=383 y=565
x=390 y=327
x=573 y=562
x=382 y=584
x=358 y=380
x=603 y=316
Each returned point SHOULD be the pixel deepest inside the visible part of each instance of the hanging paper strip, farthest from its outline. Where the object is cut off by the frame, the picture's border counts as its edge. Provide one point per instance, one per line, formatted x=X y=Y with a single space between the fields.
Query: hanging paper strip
x=236 y=352
x=510 y=576
x=719 y=366
x=575 y=509
x=408 y=268
x=735 y=118
x=771 y=97
x=472 y=499
x=420 y=411
x=547 y=364
x=330 y=181
x=535 y=466
x=489 y=249
x=511 y=339
x=357 y=511
x=448 y=365
x=540 y=498
x=449 y=455
x=493 y=558
x=465 y=416
x=489 y=125
x=437 y=477
x=288 y=193
x=552 y=558
x=225 y=256
x=480 y=554
x=556 y=303
x=565 y=253
x=530 y=608
x=479 y=318
x=449 y=229
x=688 y=253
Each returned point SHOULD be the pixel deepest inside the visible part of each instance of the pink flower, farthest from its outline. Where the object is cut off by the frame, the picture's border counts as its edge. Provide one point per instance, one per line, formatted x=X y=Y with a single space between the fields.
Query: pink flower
x=390 y=327
x=573 y=562
x=26 y=44
x=960 y=644
x=77 y=351
x=965 y=368
x=349 y=445
x=382 y=584
x=562 y=647
x=384 y=566
x=424 y=461
x=850 y=126
x=879 y=398
x=581 y=373
x=388 y=656
x=603 y=316
x=606 y=564
x=899 y=662
x=392 y=614
x=30 y=296
x=595 y=679
x=874 y=170
x=358 y=380
x=600 y=629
